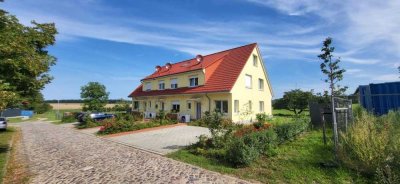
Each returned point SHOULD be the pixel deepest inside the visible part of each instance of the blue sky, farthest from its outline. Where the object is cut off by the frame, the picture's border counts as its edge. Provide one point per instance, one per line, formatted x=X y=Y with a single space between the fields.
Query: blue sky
x=119 y=42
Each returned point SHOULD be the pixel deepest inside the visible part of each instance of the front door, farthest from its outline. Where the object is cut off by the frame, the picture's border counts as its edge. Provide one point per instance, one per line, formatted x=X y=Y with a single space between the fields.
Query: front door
x=198 y=110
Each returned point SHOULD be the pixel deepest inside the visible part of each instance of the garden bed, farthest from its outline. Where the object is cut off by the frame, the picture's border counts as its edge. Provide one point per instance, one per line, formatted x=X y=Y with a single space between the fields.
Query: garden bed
x=297 y=161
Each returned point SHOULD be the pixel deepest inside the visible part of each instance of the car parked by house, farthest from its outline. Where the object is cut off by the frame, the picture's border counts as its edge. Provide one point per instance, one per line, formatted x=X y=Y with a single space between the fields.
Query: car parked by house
x=94 y=116
x=3 y=123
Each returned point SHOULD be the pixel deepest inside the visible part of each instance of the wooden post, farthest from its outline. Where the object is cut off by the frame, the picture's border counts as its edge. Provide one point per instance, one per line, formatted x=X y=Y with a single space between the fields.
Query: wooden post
x=323 y=128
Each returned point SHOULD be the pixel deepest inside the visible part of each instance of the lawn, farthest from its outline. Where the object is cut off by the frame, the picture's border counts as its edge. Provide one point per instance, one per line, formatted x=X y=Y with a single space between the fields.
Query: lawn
x=49 y=115
x=5 y=138
x=299 y=161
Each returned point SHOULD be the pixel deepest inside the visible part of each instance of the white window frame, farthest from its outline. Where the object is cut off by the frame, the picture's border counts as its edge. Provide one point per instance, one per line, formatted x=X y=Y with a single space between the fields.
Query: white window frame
x=236 y=106
x=255 y=60
x=176 y=103
x=221 y=103
x=260 y=84
x=196 y=81
x=161 y=85
x=261 y=104
x=174 y=83
x=248 y=84
x=148 y=86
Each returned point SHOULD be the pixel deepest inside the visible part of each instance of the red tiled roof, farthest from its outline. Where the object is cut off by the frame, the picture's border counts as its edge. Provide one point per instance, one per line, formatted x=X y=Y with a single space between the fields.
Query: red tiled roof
x=221 y=72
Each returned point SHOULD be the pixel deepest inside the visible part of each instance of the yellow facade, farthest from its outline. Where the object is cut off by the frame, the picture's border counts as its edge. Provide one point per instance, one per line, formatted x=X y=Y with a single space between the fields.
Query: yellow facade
x=182 y=80
x=202 y=102
x=254 y=95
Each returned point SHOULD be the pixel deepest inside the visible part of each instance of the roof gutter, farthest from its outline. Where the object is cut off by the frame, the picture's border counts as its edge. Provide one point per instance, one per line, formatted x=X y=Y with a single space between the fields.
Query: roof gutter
x=209 y=102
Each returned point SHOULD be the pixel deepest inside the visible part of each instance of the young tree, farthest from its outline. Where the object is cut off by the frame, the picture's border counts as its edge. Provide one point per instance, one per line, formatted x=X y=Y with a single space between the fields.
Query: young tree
x=297 y=100
x=330 y=67
x=94 y=96
x=24 y=60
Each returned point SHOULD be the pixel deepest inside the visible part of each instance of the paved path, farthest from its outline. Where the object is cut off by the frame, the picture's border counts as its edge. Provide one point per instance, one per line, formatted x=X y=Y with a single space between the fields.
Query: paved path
x=164 y=140
x=58 y=154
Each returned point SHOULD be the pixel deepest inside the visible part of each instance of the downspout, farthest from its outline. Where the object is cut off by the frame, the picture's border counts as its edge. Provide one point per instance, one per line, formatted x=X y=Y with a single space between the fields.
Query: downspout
x=209 y=103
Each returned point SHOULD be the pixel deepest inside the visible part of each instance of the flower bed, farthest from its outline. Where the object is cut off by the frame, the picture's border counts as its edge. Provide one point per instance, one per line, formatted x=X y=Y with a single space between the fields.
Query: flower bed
x=126 y=123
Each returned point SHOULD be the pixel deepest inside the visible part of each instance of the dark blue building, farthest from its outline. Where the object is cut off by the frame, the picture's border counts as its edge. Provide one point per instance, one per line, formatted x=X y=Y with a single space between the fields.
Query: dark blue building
x=380 y=98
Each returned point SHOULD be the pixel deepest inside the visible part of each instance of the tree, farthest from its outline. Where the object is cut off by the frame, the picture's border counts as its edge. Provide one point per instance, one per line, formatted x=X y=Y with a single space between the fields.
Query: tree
x=24 y=60
x=297 y=100
x=94 y=96
x=7 y=97
x=330 y=67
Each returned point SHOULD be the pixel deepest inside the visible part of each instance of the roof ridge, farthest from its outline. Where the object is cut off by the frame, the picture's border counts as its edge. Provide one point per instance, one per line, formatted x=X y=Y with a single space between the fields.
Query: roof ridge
x=217 y=52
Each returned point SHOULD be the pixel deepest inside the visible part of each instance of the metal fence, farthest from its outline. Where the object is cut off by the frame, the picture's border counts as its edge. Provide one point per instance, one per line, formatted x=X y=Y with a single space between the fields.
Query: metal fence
x=342 y=118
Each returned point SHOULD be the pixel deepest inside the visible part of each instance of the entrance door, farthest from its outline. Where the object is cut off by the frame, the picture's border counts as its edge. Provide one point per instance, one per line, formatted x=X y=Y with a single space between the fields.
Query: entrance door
x=198 y=110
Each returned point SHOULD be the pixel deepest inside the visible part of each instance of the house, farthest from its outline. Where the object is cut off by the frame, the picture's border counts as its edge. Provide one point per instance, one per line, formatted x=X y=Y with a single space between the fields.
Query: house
x=379 y=98
x=234 y=82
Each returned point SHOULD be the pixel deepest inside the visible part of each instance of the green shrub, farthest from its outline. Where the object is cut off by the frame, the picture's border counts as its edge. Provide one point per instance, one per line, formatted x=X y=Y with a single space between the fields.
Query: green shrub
x=288 y=131
x=137 y=115
x=262 y=117
x=264 y=141
x=68 y=119
x=89 y=122
x=372 y=146
x=258 y=124
x=241 y=154
x=221 y=129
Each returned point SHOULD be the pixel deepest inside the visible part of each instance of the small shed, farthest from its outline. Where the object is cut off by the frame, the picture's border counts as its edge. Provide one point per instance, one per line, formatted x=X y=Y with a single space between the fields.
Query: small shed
x=379 y=98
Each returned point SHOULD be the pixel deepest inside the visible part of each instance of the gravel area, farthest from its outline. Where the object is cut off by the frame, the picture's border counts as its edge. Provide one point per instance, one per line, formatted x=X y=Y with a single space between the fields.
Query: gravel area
x=59 y=154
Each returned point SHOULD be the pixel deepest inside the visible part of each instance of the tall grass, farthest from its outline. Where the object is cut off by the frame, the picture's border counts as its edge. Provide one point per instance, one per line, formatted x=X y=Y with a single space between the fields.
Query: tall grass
x=372 y=146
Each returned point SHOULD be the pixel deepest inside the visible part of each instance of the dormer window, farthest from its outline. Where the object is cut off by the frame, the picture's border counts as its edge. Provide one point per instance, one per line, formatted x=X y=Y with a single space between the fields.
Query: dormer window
x=148 y=86
x=193 y=81
x=161 y=85
x=255 y=60
x=174 y=83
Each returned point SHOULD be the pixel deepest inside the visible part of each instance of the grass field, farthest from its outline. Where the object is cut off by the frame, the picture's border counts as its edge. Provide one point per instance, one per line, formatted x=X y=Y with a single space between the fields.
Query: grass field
x=69 y=106
x=5 y=138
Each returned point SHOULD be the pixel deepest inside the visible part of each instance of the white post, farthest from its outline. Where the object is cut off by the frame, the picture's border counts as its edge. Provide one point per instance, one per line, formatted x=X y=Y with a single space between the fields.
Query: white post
x=58 y=108
x=335 y=132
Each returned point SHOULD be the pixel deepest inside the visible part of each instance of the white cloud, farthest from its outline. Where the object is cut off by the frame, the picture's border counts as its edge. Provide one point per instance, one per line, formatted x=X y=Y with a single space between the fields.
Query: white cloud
x=386 y=77
x=360 y=61
x=291 y=7
x=353 y=71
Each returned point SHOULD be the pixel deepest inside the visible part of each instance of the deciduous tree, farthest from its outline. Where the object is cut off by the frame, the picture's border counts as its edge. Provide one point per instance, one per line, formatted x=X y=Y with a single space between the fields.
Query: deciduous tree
x=297 y=100
x=95 y=96
x=24 y=59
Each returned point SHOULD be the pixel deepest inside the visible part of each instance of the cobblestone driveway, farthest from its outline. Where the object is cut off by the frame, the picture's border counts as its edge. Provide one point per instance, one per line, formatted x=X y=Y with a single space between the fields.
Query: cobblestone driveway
x=58 y=154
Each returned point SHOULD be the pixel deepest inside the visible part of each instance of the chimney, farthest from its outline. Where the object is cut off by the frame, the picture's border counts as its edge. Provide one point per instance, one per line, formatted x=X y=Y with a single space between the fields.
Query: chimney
x=199 y=58
x=168 y=66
